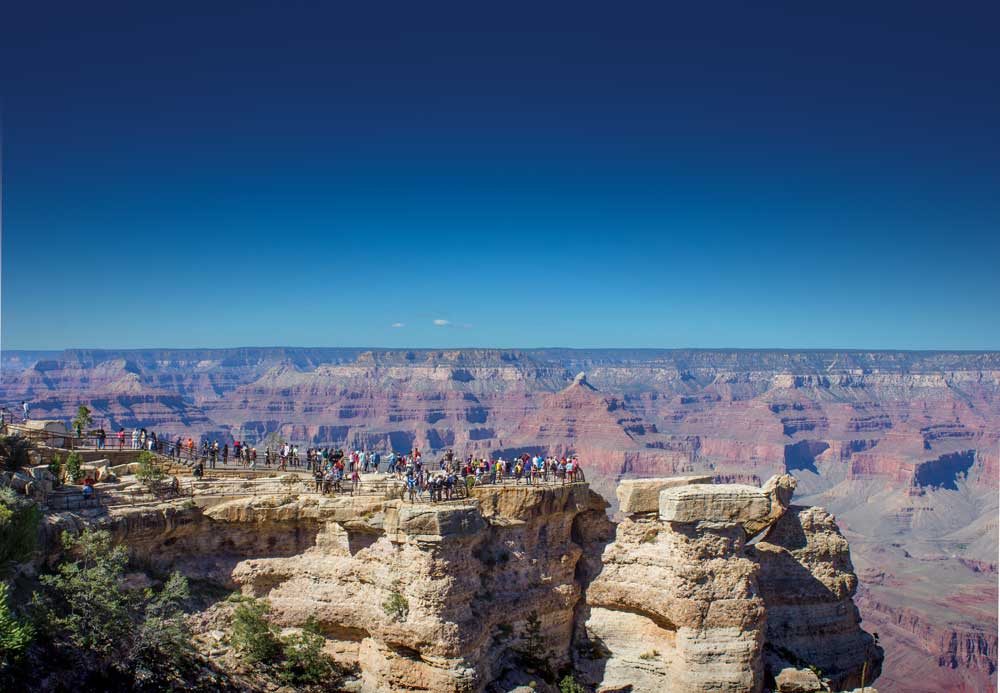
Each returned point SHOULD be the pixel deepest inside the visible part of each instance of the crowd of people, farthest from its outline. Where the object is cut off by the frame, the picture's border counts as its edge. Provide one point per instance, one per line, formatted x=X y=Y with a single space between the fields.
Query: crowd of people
x=452 y=477
x=335 y=470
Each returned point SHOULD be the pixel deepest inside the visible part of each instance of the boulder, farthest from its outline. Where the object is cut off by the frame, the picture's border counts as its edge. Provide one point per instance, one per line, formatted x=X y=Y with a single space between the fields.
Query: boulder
x=98 y=470
x=792 y=680
x=754 y=508
x=124 y=469
x=714 y=503
x=643 y=495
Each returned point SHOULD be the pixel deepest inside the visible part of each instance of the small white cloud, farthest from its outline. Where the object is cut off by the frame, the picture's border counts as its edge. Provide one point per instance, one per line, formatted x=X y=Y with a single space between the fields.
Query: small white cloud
x=397 y=325
x=442 y=323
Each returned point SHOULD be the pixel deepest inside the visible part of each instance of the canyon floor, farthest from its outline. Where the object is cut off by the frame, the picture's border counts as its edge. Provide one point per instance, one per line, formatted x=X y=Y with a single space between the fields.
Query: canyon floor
x=902 y=447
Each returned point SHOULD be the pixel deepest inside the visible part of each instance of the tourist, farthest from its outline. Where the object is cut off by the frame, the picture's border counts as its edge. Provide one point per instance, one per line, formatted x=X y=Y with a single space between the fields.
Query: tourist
x=411 y=485
x=24 y=408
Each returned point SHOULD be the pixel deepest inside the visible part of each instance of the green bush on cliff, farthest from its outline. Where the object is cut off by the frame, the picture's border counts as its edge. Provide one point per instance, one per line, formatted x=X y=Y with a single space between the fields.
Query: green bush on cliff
x=56 y=469
x=74 y=467
x=396 y=607
x=296 y=660
x=136 y=639
x=253 y=635
x=568 y=684
x=149 y=472
x=19 y=520
x=15 y=637
x=304 y=662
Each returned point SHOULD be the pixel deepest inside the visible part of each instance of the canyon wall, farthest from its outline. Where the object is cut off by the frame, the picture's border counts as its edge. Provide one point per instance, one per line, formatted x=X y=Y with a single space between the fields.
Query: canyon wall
x=521 y=584
x=902 y=447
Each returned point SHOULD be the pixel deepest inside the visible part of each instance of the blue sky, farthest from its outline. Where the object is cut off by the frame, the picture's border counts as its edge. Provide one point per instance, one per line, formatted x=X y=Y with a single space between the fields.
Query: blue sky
x=450 y=175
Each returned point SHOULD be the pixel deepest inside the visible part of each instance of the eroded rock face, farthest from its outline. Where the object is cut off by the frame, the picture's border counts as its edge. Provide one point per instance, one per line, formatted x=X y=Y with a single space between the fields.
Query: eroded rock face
x=681 y=603
x=449 y=597
x=673 y=609
x=474 y=579
x=808 y=584
x=643 y=495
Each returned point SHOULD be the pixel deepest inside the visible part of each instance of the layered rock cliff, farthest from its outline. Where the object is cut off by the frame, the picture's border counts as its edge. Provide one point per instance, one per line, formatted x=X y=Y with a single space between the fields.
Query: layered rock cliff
x=519 y=583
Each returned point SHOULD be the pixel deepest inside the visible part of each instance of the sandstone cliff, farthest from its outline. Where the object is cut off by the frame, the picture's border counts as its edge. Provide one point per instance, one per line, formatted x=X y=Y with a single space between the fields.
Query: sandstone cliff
x=518 y=583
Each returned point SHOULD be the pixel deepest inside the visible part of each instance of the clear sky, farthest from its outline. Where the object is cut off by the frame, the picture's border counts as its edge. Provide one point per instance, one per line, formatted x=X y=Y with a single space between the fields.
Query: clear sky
x=501 y=174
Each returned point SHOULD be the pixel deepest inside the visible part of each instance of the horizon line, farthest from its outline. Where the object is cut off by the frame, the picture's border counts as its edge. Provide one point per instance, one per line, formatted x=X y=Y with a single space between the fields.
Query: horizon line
x=929 y=350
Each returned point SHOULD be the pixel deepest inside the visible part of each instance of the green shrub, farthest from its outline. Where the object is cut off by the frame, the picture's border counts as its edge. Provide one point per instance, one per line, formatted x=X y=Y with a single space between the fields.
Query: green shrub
x=568 y=684
x=15 y=637
x=74 y=467
x=304 y=662
x=82 y=602
x=149 y=471
x=396 y=607
x=534 y=653
x=253 y=635
x=139 y=638
x=19 y=520
x=56 y=468
x=162 y=646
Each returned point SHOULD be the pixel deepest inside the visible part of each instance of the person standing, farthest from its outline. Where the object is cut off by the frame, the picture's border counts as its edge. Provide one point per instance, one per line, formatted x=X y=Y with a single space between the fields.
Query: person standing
x=24 y=408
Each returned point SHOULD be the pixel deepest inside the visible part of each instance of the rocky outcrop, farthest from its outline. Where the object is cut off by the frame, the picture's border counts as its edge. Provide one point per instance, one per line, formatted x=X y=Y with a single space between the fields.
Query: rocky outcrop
x=808 y=583
x=681 y=603
x=416 y=597
x=518 y=582
x=643 y=495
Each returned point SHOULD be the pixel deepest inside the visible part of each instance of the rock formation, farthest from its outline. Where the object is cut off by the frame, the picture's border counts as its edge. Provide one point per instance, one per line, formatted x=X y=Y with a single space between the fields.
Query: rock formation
x=682 y=603
x=517 y=583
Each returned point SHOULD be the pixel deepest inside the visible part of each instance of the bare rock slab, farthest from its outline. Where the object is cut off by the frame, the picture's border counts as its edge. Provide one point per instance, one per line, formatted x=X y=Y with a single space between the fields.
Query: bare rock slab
x=714 y=503
x=643 y=495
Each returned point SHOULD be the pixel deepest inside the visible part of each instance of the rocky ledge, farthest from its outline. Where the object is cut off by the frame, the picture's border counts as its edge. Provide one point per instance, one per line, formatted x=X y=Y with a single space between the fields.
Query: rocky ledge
x=700 y=588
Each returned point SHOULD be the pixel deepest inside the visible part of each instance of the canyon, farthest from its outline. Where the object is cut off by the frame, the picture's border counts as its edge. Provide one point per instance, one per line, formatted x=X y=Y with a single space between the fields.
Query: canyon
x=900 y=447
